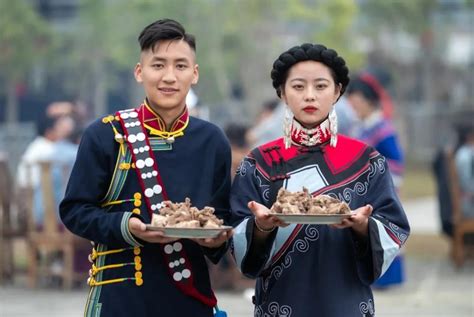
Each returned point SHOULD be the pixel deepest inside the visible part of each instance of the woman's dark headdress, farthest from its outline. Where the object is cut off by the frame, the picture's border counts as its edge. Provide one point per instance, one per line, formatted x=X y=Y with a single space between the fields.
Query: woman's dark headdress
x=309 y=52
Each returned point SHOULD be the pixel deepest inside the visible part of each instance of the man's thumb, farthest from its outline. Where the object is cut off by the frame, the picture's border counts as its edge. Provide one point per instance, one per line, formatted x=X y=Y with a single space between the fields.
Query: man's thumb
x=137 y=225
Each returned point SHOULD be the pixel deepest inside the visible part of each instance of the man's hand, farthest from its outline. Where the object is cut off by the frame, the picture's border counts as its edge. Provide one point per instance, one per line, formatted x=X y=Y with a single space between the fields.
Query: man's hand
x=217 y=241
x=138 y=229
x=358 y=221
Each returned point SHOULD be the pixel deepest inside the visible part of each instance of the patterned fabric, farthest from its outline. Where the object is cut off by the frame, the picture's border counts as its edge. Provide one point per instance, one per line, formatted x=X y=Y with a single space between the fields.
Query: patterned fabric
x=329 y=269
x=154 y=194
x=310 y=137
x=129 y=277
x=155 y=124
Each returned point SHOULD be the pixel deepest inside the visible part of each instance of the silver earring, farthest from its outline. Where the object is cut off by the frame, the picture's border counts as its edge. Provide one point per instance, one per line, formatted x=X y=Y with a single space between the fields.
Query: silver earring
x=333 y=127
x=287 y=123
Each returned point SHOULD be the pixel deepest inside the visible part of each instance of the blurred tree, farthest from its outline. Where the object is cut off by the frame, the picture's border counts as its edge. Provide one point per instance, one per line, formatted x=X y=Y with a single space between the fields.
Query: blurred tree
x=24 y=39
x=102 y=49
x=328 y=22
x=380 y=18
x=241 y=39
x=237 y=41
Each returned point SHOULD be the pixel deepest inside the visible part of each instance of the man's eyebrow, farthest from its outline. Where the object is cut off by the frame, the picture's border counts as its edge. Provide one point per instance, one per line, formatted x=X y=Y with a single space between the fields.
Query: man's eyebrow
x=161 y=59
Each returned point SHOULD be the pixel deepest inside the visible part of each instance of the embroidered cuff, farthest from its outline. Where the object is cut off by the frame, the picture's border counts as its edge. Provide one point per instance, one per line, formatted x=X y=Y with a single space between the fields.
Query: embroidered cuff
x=126 y=234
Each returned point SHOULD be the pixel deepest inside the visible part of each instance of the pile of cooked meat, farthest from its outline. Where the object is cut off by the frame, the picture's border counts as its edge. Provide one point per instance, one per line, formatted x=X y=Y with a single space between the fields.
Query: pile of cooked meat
x=182 y=215
x=302 y=202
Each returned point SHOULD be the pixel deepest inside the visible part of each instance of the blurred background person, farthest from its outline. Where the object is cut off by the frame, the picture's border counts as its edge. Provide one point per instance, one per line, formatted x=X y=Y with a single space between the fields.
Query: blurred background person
x=464 y=158
x=347 y=120
x=268 y=124
x=369 y=100
x=52 y=132
x=60 y=108
x=236 y=133
x=372 y=105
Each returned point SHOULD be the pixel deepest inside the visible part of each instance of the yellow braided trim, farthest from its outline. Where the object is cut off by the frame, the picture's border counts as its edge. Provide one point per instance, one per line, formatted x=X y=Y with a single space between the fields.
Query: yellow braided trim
x=96 y=254
x=164 y=134
x=137 y=201
x=138 y=280
x=116 y=202
x=96 y=269
x=111 y=251
x=93 y=282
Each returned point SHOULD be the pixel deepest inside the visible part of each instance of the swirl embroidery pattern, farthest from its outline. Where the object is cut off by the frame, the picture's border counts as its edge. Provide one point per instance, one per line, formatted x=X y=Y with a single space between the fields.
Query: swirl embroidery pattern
x=367 y=309
x=242 y=169
x=396 y=230
x=248 y=165
x=360 y=188
x=274 y=310
x=301 y=245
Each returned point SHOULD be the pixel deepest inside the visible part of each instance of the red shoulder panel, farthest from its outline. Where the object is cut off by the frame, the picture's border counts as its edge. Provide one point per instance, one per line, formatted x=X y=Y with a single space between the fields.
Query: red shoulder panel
x=344 y=154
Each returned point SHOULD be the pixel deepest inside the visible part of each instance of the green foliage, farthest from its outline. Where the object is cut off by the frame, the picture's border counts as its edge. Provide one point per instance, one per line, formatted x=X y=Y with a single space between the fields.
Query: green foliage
x=411 y=16
x=24 y=38
x=328 y=22
x=237 y=40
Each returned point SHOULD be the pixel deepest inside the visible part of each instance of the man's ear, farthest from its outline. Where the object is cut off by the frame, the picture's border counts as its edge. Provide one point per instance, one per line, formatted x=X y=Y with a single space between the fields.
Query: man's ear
x=196 y=74
x=138 y=73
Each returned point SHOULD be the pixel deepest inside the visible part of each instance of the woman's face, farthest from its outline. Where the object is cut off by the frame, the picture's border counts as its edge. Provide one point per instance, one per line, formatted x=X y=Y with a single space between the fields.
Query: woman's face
x=310 y=92
x=361 y=105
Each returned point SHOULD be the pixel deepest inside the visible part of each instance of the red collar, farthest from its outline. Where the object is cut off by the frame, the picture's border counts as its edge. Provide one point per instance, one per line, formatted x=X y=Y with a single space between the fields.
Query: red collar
x=310 y=137
x=153 y=122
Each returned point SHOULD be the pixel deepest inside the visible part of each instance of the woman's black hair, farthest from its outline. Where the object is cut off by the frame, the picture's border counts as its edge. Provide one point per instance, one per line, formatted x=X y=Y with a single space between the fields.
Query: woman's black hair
x=163 y=30
x=309 y=52
x=361 y=86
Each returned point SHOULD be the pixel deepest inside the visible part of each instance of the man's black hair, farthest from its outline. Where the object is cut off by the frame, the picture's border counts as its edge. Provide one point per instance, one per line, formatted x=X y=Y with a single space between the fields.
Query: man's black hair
x=236 y=132
x=44 y=123
x=163 y=30
x=271 y=104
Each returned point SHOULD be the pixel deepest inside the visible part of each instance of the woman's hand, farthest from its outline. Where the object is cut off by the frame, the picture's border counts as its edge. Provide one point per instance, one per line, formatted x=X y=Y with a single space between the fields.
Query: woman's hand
x=138 y=229
x=358 y=221
x=264 y=222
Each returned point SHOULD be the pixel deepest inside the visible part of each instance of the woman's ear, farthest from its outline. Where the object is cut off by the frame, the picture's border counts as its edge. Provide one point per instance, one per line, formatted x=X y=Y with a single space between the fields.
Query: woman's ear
x=283 y=96
x=337 y=93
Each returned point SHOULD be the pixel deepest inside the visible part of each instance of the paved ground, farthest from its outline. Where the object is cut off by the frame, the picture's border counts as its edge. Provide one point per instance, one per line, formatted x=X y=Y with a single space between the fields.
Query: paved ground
x=433 y=287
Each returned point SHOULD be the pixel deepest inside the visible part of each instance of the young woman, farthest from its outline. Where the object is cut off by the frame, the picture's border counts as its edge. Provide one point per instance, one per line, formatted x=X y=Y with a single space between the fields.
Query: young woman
x=315 y=270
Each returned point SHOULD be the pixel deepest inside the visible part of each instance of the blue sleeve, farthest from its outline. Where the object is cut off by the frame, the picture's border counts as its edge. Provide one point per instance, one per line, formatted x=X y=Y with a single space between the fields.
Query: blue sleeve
x=81 y=210
x=388 y=224
x=249 y=185
x=220 y=198
x=390 y=148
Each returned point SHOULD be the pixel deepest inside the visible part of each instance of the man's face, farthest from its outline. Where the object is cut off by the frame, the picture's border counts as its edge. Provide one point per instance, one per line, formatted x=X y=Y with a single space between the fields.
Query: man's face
x=167 y=73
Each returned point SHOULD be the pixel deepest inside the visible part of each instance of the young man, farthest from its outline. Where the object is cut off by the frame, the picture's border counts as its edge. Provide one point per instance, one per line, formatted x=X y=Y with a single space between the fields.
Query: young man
x=126 y=165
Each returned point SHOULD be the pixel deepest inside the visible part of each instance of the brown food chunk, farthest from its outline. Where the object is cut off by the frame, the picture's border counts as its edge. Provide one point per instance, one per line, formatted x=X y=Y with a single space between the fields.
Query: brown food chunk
x=303 y=203
x=182 y=215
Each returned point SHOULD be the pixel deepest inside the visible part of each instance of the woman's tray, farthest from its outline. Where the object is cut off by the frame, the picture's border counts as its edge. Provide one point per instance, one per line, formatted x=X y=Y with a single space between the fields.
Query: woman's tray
x=323 y=219
x=189 y=233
